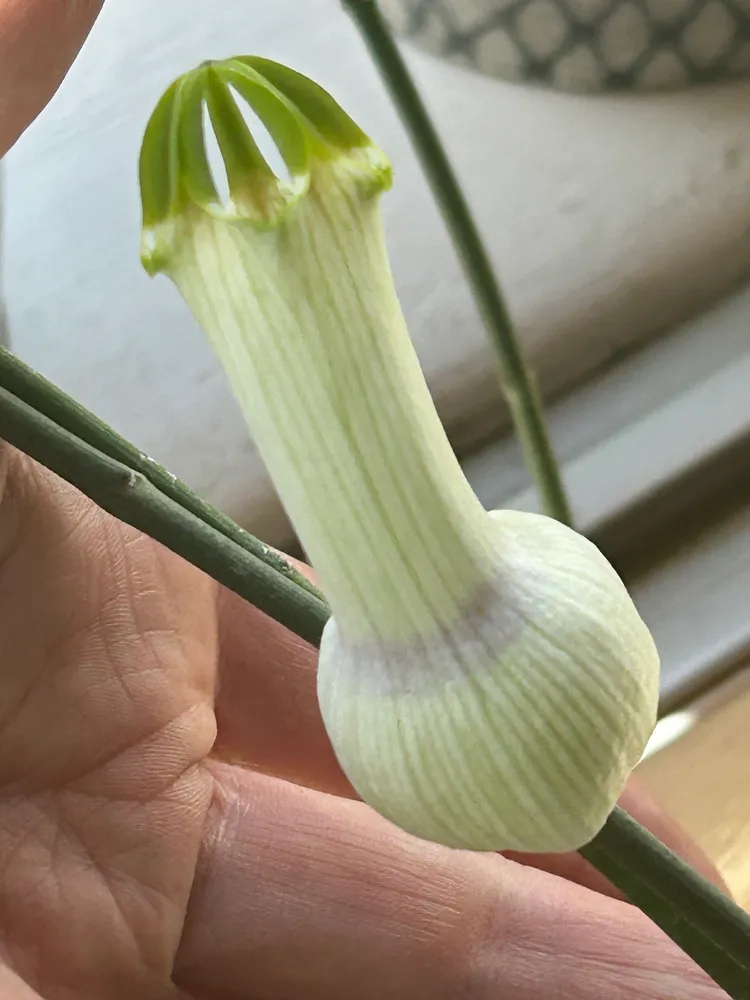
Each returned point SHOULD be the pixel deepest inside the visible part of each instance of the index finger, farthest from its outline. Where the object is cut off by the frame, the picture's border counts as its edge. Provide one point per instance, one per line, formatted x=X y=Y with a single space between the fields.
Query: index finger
x=302 y=896
x=39 y=39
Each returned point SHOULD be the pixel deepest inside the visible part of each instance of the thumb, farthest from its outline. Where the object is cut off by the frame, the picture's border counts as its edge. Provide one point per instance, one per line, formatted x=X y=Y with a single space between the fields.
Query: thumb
x=39 y=39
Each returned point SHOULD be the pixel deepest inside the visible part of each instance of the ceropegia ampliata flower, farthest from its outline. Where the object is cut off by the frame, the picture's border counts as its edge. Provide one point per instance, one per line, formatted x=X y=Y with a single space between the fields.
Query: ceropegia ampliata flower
x=485 y=679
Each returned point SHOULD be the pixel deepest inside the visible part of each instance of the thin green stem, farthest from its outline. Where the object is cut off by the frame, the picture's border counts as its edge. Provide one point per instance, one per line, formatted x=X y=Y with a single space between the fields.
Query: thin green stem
x=40 y=394
x=696 y=915
x=704 y=923
x=129 y=496
x=517 y=380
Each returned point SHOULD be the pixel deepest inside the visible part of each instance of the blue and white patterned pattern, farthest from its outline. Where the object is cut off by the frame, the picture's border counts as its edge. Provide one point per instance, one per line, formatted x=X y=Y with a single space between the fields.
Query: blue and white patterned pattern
x=585 y=45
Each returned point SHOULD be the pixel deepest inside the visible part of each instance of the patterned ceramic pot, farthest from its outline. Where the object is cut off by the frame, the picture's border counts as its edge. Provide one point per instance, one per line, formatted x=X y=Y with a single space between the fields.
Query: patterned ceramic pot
x=585 y=45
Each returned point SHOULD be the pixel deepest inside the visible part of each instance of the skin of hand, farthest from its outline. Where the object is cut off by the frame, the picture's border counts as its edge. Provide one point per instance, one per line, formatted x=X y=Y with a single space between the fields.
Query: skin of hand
x=173 y=822
x=39 y=39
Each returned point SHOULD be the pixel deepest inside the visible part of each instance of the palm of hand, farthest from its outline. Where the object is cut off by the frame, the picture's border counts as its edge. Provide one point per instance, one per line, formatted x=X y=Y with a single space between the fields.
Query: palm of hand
x=106 y=720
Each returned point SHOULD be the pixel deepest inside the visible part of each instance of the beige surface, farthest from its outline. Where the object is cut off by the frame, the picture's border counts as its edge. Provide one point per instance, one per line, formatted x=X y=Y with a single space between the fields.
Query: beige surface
x=704 y=780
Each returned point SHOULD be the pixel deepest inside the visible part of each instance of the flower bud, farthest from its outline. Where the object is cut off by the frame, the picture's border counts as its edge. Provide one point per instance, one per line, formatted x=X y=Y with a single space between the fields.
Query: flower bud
x=485 y=679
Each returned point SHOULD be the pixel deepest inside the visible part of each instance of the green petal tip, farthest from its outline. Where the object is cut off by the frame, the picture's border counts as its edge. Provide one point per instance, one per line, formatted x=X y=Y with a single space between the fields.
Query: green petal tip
x=305 y=123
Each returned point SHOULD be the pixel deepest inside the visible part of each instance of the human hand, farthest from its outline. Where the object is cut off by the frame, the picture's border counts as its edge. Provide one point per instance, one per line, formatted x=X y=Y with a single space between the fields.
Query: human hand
x=139 y=850
x=38 y=41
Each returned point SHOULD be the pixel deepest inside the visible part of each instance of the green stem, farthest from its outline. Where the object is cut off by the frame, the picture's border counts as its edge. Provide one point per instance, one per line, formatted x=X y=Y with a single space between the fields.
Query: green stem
x=696 y=915
x=517 y=380
x=30 y=387
x=701 y=920
x=129 y=496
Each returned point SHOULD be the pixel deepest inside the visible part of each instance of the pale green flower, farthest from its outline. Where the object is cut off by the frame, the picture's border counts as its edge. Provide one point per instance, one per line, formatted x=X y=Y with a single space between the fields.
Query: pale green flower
x=485 y=679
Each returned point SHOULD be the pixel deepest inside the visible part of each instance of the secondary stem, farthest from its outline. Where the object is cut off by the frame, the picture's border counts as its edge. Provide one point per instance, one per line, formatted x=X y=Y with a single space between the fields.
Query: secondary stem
x=41 y=395
x=660 y=883
x=517 y=381
x=87 y=453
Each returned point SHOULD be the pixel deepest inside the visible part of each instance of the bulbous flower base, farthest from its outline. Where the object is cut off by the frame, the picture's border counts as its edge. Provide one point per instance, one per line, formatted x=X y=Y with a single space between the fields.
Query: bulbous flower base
x=515 y=725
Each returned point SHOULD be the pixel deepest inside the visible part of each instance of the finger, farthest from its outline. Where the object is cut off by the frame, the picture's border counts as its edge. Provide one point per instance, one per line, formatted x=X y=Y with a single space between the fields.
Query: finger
x=267 y=706
x=302 y=896
x=268 y=718
x=13 y=988
x=39 y=39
